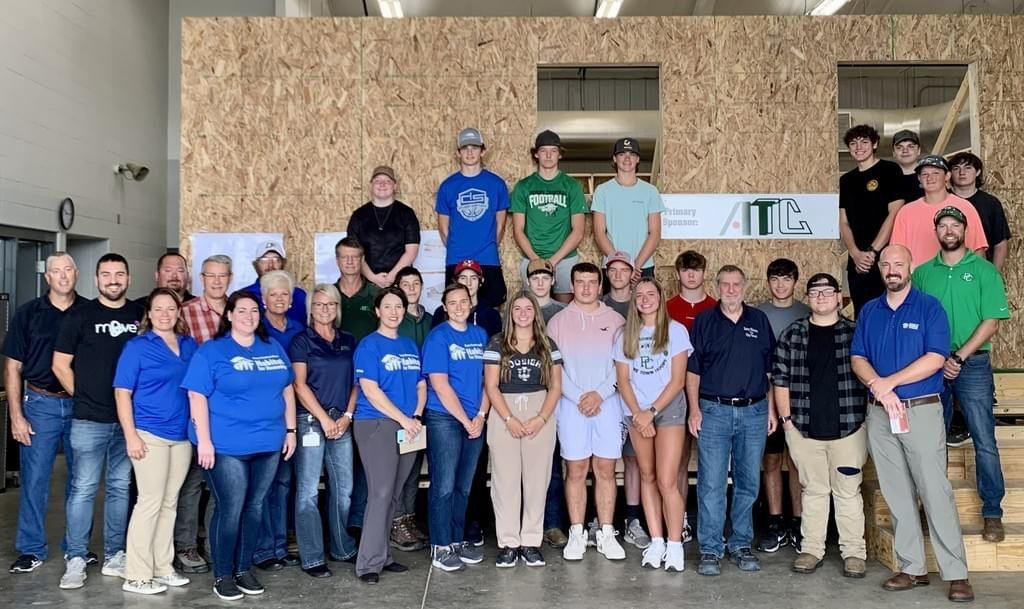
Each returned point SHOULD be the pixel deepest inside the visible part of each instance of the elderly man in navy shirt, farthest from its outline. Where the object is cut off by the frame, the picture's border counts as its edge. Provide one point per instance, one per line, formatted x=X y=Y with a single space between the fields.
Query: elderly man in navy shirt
x=727 y=375
x=899 y=347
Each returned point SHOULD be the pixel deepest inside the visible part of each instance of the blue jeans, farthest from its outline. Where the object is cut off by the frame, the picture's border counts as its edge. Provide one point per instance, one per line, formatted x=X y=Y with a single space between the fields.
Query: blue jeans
x=272 y=541
x=239 y=485
x=739 y=432
x=973 y=389
x=336 y=455
x=451 y=459
x=553 y=510
x=95 y=444
x=50 y=419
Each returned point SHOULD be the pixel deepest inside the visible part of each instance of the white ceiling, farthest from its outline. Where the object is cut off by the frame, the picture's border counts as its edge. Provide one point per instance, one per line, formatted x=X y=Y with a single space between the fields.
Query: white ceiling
x=554 y=8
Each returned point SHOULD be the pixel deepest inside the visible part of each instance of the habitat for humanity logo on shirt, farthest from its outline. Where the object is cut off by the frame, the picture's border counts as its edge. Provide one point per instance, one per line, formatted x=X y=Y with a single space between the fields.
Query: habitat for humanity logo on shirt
x=403 y=361
x=470 y=351
x=548 y=202
x=262 y=363
x=115 y=328
x=472 y=203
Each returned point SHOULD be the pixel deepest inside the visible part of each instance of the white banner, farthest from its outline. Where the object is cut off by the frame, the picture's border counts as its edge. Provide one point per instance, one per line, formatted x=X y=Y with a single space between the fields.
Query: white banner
x=429 y=262
x=241 y=247
x=751 y=216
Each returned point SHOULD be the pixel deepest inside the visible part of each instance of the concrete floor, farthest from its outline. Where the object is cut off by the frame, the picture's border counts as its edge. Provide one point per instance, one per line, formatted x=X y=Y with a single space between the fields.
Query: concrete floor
x=593 y=584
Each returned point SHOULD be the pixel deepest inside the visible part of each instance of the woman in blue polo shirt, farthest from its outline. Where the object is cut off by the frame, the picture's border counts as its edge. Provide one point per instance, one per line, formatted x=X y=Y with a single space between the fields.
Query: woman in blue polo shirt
x=243 y=420
x=391 y=396
x=322 y=361
x=453 y=359
x=271 y=552
x=153 y=411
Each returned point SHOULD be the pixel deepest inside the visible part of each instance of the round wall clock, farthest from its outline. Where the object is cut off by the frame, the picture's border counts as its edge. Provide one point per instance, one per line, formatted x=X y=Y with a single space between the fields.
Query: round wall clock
x=66 y=213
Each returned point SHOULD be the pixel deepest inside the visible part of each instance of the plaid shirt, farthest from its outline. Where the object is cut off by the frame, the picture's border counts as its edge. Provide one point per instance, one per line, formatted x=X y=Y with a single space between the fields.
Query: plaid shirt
x=790 y=370
x=201 y=319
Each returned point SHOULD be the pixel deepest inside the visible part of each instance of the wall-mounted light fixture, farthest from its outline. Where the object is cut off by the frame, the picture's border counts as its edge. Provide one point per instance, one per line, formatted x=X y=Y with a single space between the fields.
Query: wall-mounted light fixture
x=131 y=171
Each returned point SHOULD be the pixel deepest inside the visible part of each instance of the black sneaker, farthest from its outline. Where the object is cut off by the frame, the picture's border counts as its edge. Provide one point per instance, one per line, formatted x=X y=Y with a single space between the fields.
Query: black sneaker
x=745 y=560
x=395 y=567
x=318 y=571
x=958 y=437
x=532 y=556
x=290 y=560
x=774 y=538
x=271 y=564
x=248 y=583
x=796 y=539
x=26 y=563
x=474 y=534
x=507 y=557
x=91 y=558
x=226 y=589
x=709 y=565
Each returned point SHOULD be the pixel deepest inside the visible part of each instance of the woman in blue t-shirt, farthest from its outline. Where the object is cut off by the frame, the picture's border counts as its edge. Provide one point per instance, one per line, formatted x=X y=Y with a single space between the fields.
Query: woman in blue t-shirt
x=271 y=552
x=453 y=360
x=391 y=397
x=153 y=411
x=243 y=420
x=322 y=361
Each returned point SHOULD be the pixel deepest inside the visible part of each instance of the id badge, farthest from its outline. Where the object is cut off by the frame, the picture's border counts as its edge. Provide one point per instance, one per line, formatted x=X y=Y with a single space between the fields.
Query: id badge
x=310 y=439
x=900 y=423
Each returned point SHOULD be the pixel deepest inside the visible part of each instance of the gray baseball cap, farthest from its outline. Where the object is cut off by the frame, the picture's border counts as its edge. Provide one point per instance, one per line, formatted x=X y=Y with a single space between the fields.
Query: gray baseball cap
x=905 y=135
x=469 y=137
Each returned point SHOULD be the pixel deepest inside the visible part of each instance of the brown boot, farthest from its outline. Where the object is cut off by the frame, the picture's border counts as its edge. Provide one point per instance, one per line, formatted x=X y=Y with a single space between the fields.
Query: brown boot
x=960 y=591
x=993 y=530
x=854 y=567
x=904 y=581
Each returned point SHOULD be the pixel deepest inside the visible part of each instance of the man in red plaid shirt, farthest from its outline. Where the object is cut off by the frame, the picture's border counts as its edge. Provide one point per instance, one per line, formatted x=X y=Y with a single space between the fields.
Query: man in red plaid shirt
x=202 y=313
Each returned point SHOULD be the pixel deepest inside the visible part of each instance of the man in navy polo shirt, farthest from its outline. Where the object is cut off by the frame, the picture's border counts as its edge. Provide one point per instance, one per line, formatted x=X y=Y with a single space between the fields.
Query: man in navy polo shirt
x=899 y=348
x=727 y=375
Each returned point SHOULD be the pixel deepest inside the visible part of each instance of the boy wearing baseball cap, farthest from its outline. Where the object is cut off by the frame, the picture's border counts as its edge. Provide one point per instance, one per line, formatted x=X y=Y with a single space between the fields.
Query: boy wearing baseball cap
x=914 y=227
x=627 y=212
x=540 y=276
x=548 y=210
x=471 y=205
x=906 y=149
x=470 y=274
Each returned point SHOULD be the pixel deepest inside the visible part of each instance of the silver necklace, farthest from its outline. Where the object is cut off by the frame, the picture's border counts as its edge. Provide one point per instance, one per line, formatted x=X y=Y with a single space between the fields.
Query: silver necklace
x=387 y=214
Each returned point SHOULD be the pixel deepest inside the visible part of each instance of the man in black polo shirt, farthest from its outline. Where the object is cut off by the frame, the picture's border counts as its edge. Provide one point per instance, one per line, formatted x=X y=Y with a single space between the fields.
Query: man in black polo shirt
x=966 y=179
x=727 y=375
x=869 y=197
x=171 y=273
x=84 y=360
x=41 y=412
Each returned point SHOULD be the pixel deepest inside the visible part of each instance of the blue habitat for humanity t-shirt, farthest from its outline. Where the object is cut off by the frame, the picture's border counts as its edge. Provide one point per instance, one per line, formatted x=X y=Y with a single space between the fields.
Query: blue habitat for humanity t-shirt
x=244 y=388
x=472 y=205
x=460 y=355
x=153 y=373
x=392 y=363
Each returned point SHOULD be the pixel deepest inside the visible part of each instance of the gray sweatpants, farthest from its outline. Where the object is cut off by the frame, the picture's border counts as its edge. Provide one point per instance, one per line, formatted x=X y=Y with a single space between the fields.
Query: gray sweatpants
x=913 y=465
x=386 y=473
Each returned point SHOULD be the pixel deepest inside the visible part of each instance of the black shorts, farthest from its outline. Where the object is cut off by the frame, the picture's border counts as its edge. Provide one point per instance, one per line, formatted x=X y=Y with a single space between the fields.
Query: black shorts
x=776 y=442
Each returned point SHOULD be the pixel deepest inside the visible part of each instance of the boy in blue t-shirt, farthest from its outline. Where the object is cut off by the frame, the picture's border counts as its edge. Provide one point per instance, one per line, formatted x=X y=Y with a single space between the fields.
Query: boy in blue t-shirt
x=471 y=206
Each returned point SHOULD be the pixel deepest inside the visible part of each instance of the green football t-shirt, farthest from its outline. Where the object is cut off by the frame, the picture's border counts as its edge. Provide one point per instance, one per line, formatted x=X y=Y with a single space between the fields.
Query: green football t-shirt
x=549 y=206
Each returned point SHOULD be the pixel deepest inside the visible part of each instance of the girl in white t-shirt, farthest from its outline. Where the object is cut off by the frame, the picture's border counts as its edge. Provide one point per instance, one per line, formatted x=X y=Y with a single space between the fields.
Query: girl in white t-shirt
x=650 y=363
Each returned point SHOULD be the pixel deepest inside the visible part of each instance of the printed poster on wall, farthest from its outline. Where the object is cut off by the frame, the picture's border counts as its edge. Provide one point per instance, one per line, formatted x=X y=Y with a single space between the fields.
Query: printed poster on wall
x=241 y=247
x=751 y=216
x=429 y=262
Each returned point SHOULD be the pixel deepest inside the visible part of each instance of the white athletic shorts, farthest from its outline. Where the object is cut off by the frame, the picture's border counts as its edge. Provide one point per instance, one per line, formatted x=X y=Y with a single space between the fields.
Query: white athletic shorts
x=597 y=436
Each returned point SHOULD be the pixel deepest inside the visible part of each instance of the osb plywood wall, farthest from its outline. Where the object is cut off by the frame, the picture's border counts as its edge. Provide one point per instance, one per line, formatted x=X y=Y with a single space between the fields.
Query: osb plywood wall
x=282 y=119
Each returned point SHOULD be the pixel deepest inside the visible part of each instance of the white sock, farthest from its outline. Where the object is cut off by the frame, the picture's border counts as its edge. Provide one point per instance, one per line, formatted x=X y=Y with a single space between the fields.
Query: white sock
x=675 y=544
x=656 y=540
x=577 y=529
x=608 y=529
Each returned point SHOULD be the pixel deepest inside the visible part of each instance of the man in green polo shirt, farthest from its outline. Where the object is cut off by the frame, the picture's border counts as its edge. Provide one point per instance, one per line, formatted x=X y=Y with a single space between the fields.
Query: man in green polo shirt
x=357 y=294
x=548 y=219
x=972 y=293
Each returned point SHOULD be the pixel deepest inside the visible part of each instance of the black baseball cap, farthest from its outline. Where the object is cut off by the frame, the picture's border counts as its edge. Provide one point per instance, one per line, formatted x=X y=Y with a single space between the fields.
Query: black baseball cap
x=822 y=280
x=931 y=160
x=905 y=135
x=547 y=138
x=626 y=144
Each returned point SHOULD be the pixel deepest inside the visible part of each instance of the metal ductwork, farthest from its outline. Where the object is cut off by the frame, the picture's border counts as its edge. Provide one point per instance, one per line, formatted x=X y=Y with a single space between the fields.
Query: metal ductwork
x=927 y=121
x=590 y=135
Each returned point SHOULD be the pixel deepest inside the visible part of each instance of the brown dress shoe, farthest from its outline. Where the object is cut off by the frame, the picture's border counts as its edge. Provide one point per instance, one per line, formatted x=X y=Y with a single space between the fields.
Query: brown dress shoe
x=960 y=591
x=904 y=581
x=993 y=530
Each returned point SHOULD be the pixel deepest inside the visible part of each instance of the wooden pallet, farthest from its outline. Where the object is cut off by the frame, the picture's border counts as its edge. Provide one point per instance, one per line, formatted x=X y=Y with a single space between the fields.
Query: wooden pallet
x=967 y=502
x=1009 y=394
x=982 y=555
x=960 y=462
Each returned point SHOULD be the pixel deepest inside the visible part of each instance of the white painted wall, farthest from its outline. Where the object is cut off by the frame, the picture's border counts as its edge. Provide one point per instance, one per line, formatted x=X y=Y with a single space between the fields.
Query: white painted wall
x=179 y=9
x=83 y=86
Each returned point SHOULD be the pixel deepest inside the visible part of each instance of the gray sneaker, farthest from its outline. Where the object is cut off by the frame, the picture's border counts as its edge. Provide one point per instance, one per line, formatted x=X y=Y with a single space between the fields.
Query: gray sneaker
x=446 y=558
x=113 y=566
x=468 y=553
x=592 y=530
x=188 y=560
x=635 y=534
x=74 y=574
x=745 y=560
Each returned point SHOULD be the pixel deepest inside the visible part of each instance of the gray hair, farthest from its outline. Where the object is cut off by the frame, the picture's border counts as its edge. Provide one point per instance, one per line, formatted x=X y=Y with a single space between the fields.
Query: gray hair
x=218 y=259
x=332 y=292
x=275 y=279
x=60 y=254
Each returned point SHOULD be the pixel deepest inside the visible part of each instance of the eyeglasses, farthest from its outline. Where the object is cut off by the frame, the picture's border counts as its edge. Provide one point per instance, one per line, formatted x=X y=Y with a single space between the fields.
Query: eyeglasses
x=216 y=275
x=822 y=293
x=351 y=257
x=324 y=305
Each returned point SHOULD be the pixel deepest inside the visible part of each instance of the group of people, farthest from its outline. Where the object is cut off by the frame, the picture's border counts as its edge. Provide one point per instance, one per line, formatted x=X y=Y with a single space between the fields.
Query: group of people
x=259 y=394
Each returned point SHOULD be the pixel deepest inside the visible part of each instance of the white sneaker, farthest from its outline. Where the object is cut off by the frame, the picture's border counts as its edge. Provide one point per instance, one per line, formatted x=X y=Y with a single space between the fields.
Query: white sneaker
x=674 y=557
x=577 y=546
x=143 y=586
x=654 y=554
x=608 y=545
x=74 y=574
x=174 y=579
x=114 y=566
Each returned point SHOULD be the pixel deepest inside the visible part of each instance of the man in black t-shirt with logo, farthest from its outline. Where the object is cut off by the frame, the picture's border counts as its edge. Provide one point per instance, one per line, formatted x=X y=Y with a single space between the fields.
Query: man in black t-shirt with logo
x=869 y=197
x=906 y=150
x=84 y=360
x=966 y=178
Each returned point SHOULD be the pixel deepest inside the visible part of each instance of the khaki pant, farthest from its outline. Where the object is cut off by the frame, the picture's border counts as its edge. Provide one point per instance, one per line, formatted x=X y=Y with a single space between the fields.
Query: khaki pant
x=520 y=472
x=831 y=468
x=159 y=476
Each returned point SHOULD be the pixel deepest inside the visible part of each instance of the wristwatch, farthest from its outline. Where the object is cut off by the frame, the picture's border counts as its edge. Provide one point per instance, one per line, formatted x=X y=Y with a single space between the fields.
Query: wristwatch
x=785 y=419
x=292 y=430
x=418 y=417
x=956 y=358
x=349 y=415
x=653 y=410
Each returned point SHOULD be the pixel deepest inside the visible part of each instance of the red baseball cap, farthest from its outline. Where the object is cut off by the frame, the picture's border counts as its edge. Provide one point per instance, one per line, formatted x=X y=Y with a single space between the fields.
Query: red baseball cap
x=470 y=265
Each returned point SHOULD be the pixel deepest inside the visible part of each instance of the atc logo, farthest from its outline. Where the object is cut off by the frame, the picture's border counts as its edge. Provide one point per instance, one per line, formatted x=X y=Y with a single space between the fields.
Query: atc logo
x=774 y=217
x=472 y=204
